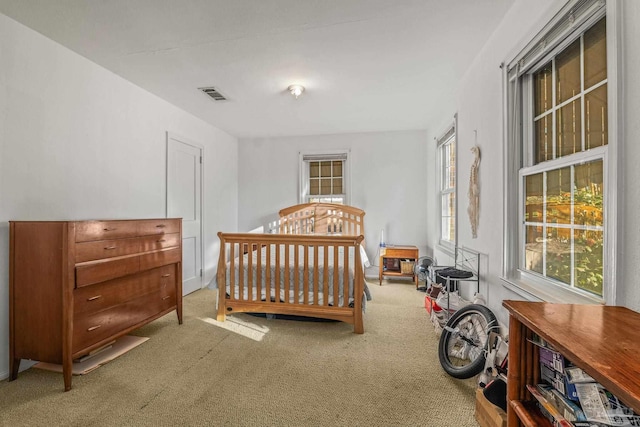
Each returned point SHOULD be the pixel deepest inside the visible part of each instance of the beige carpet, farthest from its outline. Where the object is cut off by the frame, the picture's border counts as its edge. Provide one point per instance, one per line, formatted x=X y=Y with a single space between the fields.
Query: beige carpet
x=268 y=373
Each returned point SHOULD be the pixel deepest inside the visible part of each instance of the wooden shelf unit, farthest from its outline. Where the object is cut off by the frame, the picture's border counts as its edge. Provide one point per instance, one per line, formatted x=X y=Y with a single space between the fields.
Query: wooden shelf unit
x=398 y=253
x=599 y=339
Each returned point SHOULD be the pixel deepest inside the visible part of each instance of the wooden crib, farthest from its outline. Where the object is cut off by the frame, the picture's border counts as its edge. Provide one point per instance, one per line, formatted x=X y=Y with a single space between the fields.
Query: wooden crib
x=312 y=267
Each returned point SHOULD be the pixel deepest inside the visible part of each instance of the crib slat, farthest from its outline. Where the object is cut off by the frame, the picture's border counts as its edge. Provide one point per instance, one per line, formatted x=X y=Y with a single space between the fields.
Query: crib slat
x=305 y=275
x=258 y=296
x=232 y=278
x=336 y=277
x=267 y=285
x=287 y=286
x=316 y=284
x=325 y=275
x=345 y=277
x=250 y=272
x=240 y=273
x=277 y=295
x=296 y=274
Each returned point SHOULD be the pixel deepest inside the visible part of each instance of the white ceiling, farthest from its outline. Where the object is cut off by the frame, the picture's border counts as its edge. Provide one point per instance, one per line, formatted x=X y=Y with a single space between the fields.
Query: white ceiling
x=367 y=65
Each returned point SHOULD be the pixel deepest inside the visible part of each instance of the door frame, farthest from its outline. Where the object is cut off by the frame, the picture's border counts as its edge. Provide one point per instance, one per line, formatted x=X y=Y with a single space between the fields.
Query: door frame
x=173 y=135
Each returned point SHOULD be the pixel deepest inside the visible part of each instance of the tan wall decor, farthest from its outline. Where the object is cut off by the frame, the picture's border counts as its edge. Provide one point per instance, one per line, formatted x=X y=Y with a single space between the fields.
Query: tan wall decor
x=474 y=193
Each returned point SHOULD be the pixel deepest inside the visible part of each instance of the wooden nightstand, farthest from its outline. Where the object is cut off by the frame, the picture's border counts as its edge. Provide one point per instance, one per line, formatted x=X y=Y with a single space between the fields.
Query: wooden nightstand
x=395 y=254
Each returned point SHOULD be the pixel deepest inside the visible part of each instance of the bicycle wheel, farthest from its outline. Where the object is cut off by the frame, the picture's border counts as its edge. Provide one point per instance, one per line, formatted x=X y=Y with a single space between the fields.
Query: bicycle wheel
x=464 y=339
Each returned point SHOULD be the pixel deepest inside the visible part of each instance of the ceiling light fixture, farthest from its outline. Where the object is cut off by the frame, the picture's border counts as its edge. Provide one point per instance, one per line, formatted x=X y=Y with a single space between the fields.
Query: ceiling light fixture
x=296 y=90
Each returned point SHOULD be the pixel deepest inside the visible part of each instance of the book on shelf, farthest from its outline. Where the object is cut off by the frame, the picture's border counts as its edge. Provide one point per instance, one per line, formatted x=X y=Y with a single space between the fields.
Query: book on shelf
x=568 y=408
x=546 y=406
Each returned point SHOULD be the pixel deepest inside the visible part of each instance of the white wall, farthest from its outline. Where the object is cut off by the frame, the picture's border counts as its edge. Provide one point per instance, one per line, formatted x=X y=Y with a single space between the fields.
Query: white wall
x=479 y=108
x=629 y=294
x=79 y=142
x=388 y=180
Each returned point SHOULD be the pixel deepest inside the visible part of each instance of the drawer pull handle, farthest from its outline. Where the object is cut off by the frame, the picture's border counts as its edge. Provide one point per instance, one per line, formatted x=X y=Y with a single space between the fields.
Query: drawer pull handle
x=93 y=328
x=166 y=275
x=94 y=298
x=160 y=226
x=166 y=297
x=108 y=248
x=161 y=241
x=110 y=229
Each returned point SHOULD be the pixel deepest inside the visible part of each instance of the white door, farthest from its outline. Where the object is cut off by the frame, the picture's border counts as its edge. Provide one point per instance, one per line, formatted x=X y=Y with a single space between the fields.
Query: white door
x=184 y=175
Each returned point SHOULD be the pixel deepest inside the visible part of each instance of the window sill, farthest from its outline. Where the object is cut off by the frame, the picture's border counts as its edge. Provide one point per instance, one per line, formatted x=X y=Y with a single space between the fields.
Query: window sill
x=535 y=292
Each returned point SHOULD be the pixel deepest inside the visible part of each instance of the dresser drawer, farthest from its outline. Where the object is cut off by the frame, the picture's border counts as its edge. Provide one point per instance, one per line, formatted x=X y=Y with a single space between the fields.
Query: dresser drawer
x=101 y=271
x=159 y=226
x=97 y=297
x=160 y=258
x=162 y=241
x=91 y=328
x=100 y=249
x=103 y=230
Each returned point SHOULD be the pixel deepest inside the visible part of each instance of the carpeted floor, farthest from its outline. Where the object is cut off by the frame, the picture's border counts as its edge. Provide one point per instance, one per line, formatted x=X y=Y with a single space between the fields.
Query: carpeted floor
x=266 y=372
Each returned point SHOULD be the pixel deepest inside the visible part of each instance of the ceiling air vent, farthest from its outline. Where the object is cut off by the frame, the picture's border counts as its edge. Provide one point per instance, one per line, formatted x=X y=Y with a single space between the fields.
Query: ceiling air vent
x=213 y=93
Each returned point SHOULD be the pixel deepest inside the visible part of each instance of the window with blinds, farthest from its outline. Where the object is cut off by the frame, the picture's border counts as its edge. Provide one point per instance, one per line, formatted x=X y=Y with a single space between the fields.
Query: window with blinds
x=558 y=120
x=324 y=177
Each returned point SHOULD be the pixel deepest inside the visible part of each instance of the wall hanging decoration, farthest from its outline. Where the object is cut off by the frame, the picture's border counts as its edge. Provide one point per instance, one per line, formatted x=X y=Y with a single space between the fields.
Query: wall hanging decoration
x=474 y=192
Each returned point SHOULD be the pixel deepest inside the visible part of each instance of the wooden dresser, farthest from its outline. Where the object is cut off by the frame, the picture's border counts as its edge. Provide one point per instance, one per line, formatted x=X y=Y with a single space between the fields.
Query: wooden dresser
x=75 y=286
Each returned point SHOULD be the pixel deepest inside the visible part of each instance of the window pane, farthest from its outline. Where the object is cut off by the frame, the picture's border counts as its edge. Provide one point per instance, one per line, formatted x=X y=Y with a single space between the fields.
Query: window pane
x=534 y=198
x=558 y=254
x=314 y=169
x=595 y=54
x=569 y=129
x=559 y=196
x=452 y=165
x=568 y=73
x=449 y=166
x=337 y=168
x=534 y=244
x=337 y=186
x=543 y=143
x=588 y=194
x=325 y=186
x=314 y=186
x=448 y=179
x=543 y=90
x=589 y=253
x=325 y=169
x=595 y=105
x=448 y=217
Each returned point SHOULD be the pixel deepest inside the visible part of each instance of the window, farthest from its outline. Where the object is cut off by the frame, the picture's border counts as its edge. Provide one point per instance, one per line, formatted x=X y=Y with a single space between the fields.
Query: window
x=447 y=190
x=324 y=177
x=558 y=144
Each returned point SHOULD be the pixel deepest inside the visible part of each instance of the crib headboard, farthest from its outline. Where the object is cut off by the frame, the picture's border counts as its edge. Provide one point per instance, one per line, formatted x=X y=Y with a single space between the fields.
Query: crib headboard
x=322 y=218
